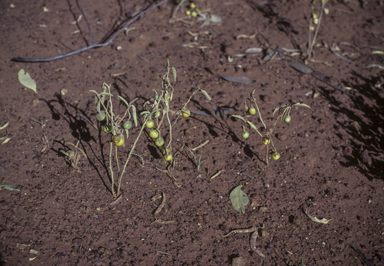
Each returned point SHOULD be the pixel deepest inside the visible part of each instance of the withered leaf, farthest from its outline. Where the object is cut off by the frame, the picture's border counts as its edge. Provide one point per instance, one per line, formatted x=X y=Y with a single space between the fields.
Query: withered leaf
x=238 y=199
x=242 y=80
x=303 y=68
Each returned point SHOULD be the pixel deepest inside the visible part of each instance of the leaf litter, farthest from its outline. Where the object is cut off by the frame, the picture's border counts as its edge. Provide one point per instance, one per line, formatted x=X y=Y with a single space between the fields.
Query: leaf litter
x=317 y=220
x=242 y=80
x=238 y=199
x=26 y=80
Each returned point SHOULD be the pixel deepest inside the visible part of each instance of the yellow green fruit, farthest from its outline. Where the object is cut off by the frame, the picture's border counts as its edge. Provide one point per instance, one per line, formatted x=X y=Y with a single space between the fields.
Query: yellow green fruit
x=118 y=140
x=186 y=113
x=153 y=133
x=266 y=141
x=168 y=157
x=150 y=124
x=276 y=156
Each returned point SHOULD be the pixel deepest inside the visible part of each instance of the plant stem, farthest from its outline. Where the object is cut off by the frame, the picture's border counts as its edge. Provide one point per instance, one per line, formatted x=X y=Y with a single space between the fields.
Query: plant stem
x=129 y=156
x=111 y=170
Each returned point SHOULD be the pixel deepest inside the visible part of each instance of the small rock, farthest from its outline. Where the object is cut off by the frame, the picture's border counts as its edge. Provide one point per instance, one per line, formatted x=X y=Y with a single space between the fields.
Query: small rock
x=239 y=261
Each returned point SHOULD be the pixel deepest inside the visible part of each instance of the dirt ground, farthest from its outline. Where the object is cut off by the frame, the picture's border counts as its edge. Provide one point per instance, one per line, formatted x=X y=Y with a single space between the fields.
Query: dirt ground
x=331 y=163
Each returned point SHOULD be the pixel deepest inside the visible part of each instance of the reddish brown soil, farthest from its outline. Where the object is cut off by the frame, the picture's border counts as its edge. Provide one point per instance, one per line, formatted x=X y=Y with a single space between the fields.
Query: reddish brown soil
x=331 y=161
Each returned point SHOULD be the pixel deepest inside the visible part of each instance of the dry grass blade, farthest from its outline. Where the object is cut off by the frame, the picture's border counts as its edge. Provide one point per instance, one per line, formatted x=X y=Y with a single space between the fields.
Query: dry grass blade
x=253 y=244
x=217 y=174
x=300 y=67
x=242 y=80
x=317 y=220
x=161 y=206
x=241 y=231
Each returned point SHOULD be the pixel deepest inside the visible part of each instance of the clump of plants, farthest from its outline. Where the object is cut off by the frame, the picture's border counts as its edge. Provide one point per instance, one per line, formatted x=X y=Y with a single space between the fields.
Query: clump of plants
x=283 y=114
x=156 y=118
x=160 y=118
x=118 y=127
x=72 y=154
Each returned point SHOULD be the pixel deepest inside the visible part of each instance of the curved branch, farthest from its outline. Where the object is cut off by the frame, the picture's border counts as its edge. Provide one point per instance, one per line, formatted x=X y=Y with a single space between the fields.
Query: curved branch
x=93 y=46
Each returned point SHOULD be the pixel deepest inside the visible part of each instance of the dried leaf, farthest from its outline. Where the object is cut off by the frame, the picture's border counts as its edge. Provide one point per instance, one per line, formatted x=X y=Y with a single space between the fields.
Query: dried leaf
x=253 y=244
x=134 y=115
x=242 y=80
x=6 y=141
x=302 y=104
x=26 y=80
x=216 y=19
x=5 y=125
x=9 y=187
x=300 y=67
x=241 y=231
x=252 y=125
x=253 y=50
x=238 y=199
x=174 y=73
x=206 y=95
x=239 y=117
x=322 y=221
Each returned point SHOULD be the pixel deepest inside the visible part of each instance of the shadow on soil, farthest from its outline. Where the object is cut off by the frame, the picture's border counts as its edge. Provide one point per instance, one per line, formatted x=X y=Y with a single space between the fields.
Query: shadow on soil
x=365 y=132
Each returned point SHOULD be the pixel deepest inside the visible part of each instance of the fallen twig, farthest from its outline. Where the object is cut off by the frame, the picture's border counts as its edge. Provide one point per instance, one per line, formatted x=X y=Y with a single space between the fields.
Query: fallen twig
x=94 y=45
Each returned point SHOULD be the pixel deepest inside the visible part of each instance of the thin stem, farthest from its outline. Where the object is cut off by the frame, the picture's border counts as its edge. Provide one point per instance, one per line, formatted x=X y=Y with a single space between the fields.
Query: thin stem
x=86 y=21
x=129 y=156
x=316 y=31
x=111 y=170
x=169 y=146
x=117 y=161
x=257 y=107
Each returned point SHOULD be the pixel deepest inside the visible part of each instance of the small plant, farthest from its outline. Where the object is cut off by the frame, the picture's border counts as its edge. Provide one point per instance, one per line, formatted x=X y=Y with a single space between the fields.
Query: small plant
x=158 y=112
x=198 y=161
x=283 y=114
x=118 y=127
x=316 y=20
x=72 y=155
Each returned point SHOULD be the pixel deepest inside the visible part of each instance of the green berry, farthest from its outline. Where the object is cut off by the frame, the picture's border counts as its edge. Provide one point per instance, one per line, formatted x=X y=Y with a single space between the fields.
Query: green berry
x=276 y=156
x=287 y=119
x=186 y=113
x=168 y=157
x=159 y=142
x=245 y=134
x=153 y=133
x=156 y=114
x=127 y=125
x=252 y=110
x=100 y=116
x=149 y=124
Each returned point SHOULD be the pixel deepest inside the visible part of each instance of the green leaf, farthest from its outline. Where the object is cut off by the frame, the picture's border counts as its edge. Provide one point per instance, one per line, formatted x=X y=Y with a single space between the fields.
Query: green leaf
x=26 y=80
x=9 y=187
x=238 y=199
